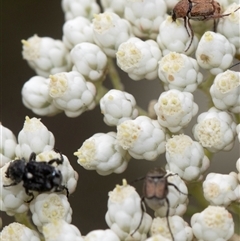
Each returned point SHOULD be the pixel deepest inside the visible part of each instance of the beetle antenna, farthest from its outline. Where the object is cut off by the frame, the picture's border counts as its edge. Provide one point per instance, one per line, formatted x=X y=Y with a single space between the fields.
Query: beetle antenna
x=234 y=65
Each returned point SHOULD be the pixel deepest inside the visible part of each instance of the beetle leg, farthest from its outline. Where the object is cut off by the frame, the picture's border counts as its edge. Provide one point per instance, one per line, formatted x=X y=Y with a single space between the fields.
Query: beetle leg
x=192 y=34
x=185 y=25
x=29 y=194
x=171 y=184
x=167 y=217
x=143 y=210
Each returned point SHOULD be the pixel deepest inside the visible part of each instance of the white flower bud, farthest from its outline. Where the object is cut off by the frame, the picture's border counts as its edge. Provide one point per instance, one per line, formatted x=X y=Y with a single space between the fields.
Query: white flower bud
x=61 y=230
x=229 y=25
x=77 y=30
x=49 y=207
x=34 y=137
x=158 y=237
x=125 y=212
x=139 y=58
x=116 y=6
x=238 y=132
x=13 y=199
x=215 y=52
x=177 y=200
x=186 y=158
x=102 y=153
x=213 y=223
x=35 y=97
x=175 y=109
x=178 y=71
x=173 y=37
x=72 y=93
x=118 y=106
x=8 y=144
x=76 y=8
x=145 y=17
x=19 y=232
x=100 y=235
x=69 y=176
x=46 y=55
x=143 y=138
x=218 y=189
x=90 y=61
x=108 y=25
x=225 y=91
x=215 y=130
x=180 y=229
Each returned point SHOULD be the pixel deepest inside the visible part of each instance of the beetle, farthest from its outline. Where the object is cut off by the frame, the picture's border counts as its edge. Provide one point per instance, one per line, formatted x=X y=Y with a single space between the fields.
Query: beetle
x=155 y=191
x=36 y=176
x=197 y=10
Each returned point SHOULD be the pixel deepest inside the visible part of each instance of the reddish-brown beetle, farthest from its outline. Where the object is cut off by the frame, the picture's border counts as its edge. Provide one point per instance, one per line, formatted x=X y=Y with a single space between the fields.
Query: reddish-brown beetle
x=197 y=10
x=155 y=191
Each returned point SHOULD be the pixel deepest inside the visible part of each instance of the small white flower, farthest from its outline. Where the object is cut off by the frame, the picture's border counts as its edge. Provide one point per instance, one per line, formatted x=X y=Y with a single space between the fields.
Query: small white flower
x=13 y=199
x=69 y=176
x=125 y=212
x=225 y=91
x=175 y=109
x=46 y=55
x=238 y=131
x=7 y=145
x=72 y=93
x=89 y=60
x=229 y=25
x=108 y=25
x=34 y=137
x=77 y=30
x=145 y=16
x=186 y=157
x=61 y=230
x=18 y=232
x=35 y=97
x=139 y=58
x=158 y=237
x=143 y=138
x=177 y=200
x=178 y=71
x=173 y=37
x=215 y=52
x=118 y=106
x=49 y=207
x=215 y=130
x=218 y=189
x=101 y=235
x=76 y=8
x=116 y=6
x=180 y=229
x=102 y=153
x=213 y=223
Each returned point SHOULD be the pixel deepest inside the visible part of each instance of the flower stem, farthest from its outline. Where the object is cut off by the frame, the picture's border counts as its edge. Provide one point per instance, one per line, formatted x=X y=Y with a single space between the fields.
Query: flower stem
x=114 y=76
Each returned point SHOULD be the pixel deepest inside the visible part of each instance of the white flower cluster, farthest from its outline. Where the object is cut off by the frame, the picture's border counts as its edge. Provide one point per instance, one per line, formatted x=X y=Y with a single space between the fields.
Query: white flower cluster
x=125 y=214
x=146 y=43
x=65 y=91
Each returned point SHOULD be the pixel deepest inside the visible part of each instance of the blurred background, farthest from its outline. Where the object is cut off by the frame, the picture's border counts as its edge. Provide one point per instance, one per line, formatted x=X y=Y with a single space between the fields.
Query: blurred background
x=21 y=20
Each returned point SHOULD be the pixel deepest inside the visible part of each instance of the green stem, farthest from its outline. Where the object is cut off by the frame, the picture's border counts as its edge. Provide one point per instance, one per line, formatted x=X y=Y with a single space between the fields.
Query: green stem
x=24 y=219
x=114 y=76
x=195 y=190
x=205 y=87
x=141 y=111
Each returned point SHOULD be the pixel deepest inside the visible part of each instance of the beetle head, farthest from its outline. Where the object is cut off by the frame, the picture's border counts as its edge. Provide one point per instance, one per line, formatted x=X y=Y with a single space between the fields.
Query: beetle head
x=181 y=10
